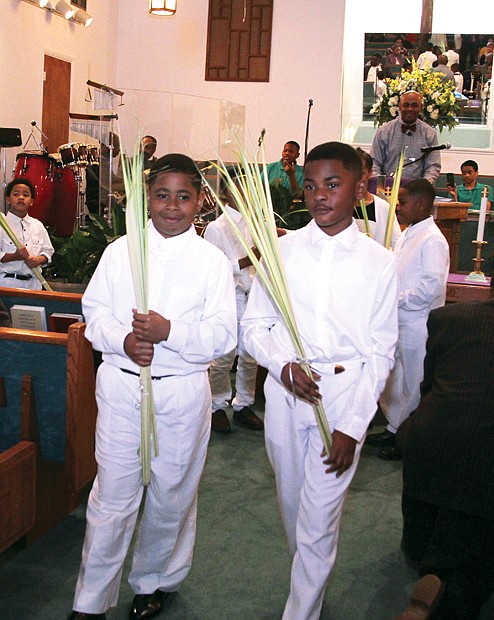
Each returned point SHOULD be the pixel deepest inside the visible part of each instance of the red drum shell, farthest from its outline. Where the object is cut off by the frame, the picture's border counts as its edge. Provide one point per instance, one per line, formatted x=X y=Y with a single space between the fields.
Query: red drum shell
x=64 y=205
x=38 y=168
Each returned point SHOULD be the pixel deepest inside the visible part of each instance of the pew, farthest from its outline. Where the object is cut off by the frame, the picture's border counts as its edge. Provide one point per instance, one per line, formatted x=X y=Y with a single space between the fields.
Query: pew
x=48 y=418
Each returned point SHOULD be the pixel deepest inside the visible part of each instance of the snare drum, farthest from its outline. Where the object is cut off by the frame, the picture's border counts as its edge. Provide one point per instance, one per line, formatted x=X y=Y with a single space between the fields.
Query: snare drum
x=73 y=154
x=38 y=168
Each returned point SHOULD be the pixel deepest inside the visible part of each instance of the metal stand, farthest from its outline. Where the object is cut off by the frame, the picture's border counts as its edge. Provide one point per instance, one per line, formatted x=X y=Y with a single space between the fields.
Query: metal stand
x=477 y=275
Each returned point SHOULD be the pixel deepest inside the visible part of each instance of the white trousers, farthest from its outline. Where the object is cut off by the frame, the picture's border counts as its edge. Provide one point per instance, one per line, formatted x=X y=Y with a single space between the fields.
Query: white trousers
x=245 y=378
x=311 y=501
x=163 y=550
x=33 y=284
x=401 y=394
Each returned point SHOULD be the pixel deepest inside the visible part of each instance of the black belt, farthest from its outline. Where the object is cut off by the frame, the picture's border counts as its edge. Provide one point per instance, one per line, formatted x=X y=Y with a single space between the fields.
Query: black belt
x=136 y=374
x=17 y=276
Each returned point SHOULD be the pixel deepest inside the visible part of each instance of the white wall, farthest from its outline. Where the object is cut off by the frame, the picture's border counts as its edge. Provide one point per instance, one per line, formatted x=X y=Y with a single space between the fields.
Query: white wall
x=162 y=55
x=26 y=34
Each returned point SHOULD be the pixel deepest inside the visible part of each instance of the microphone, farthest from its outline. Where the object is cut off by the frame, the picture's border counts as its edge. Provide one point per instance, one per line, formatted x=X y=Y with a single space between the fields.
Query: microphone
x=438 y=147
x=33 y=123
x=261 y=137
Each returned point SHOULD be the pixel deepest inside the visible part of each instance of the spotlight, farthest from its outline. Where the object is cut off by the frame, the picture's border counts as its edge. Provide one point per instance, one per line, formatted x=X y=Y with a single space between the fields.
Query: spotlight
x=83 y=18
x=41 y=3
x=162 y=7
x=64 y=9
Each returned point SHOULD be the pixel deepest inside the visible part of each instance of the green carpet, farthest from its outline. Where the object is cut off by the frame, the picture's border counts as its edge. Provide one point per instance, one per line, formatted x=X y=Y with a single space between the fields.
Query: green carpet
x=241 y=565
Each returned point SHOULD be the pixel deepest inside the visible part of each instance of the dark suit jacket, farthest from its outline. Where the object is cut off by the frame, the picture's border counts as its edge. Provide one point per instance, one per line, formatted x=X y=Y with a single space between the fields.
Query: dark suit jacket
x=4 y=316
x=448 y=442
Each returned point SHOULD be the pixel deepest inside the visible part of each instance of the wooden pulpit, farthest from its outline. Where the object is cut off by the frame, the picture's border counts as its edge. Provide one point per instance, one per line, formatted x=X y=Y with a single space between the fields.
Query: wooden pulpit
x=448 y=216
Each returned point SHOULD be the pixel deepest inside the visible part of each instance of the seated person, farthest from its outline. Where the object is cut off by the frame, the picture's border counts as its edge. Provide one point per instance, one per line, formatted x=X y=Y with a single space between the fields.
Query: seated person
x=443 y=70
x=286 y=170
x=399 y=42
x=471 y=82
x=380 y=86
x=452 y=54
x=16 y=265
x=97 y=180
x=372 y=67
x=448 y=492
x=427 y=57
x=4 y=316
x=148 y=146
x=457 y=77
x=377 y=208
x=397 y=58
x=489 y=49
x=470 y=190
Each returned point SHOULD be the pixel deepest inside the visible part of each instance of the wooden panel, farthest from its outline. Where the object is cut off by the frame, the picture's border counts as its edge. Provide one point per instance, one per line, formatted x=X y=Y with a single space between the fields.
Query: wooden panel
x=17 y=492
x=56 y=102
x=239 y=40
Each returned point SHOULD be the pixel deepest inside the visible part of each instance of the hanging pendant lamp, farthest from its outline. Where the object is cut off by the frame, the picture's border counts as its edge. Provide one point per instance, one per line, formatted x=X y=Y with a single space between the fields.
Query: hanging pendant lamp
x=162 y=7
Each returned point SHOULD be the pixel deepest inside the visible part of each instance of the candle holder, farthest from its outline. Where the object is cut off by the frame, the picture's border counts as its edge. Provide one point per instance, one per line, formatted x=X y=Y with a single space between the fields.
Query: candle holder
x=477 y=274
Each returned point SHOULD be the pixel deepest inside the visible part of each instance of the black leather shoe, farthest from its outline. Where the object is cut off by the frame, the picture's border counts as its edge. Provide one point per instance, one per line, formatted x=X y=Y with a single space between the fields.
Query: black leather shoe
x=386 y=438
x=80 y=615
x=246 y=417
x=220 y=422
x=390 y=453
x=146 y=606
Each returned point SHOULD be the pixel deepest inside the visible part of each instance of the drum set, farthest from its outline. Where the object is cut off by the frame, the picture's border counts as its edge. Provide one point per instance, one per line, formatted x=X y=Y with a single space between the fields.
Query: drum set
x=59 y=181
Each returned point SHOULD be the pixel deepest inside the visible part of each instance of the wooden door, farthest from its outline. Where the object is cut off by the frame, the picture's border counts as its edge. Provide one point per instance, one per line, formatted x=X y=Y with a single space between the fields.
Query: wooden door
x=56 y=102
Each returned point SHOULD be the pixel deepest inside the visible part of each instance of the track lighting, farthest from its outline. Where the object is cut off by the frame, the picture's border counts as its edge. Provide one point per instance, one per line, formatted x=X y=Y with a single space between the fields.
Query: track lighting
x=64 y=9
x=83 y=18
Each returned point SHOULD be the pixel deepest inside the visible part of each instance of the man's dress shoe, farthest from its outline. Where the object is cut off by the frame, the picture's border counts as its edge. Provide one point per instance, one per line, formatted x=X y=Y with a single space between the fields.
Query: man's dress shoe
x=390 y=453
x=146 y=606
x=381 y=440
x=247 y=418
x=80 y=615
x=220 y=422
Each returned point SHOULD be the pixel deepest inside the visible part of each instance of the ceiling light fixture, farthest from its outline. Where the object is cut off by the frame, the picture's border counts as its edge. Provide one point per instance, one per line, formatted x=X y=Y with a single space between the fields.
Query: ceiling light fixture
x=83 y=18
x=64 y=9
x=162 y=7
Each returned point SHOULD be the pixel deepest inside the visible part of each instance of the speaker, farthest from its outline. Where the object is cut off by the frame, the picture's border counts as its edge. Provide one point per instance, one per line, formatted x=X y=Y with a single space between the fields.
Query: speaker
x=10 y=137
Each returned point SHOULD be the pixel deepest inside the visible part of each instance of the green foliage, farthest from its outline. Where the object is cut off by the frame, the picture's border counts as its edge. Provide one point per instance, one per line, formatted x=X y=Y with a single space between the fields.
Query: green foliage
x=289 y=208
x=76 y=257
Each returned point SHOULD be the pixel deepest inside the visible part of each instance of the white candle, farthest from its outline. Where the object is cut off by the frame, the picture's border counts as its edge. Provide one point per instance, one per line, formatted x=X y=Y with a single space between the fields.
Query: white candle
x=483 y=211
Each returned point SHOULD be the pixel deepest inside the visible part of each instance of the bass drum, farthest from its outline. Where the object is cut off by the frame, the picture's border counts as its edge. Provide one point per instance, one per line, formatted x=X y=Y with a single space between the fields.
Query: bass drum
x=64 y=204
x=38 y=168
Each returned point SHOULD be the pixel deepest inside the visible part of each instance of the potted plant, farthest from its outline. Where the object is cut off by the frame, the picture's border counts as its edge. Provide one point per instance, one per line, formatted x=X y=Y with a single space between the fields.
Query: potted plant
x=76 y=257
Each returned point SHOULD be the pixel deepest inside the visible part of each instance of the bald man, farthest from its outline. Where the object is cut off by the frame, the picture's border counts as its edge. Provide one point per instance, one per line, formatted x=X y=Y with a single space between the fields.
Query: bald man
x=409 y=132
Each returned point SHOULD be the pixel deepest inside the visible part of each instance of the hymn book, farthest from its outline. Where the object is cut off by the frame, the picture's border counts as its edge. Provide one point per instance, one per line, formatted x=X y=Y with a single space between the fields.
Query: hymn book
x=28 y=317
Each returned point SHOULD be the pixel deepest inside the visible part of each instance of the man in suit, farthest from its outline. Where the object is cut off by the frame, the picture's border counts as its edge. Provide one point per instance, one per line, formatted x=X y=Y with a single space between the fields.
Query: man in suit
x=448 y=451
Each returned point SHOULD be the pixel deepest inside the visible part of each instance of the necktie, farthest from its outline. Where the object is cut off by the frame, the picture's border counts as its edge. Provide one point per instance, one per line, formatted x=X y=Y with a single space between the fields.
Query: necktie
x=405 y=128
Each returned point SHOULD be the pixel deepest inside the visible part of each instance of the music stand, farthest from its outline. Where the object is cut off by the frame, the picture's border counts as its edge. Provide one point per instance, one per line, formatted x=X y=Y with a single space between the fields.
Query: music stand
x=9 y=137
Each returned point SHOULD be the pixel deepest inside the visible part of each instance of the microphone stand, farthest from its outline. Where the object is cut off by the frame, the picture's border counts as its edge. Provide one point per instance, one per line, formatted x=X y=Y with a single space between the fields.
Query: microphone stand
x=311 y=102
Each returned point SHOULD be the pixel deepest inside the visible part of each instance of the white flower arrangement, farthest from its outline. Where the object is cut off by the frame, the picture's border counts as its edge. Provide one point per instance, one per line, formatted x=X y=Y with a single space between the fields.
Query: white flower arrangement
x=440 y=104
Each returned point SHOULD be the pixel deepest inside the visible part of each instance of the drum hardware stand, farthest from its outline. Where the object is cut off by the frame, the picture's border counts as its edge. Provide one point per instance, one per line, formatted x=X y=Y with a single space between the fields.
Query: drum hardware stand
x=40 y=145
x=9 y=137
x=105 y=95
x=80 y=217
